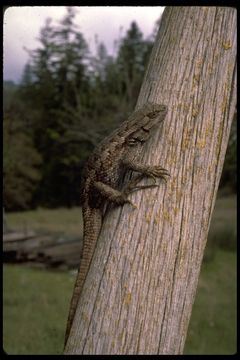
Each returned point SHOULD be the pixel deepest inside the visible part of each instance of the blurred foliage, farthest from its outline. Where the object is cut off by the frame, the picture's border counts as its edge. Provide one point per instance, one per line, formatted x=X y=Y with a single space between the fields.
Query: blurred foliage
x=223 y=228
x=229 y=174
x=9 y=90
x=21 y=161
x=66 y=102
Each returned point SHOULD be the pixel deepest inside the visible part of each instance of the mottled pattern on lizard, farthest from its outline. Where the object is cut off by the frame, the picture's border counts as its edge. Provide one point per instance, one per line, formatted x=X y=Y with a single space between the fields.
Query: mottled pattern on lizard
x=102 y=177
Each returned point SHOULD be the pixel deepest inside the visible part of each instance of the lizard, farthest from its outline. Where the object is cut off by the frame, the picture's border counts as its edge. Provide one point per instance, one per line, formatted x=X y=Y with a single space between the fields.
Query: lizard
x=101 y=180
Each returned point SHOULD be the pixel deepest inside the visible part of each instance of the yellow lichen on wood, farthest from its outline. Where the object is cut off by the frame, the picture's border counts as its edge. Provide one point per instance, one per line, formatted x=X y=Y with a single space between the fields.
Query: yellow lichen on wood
x=156 y=220
x=209 y=129
x=219 y=139
x=205 y=9
x=179 y=105
x=224 y=103
x=196 y=79
x=128 y=298
x=210 y=70
x=85 y=317
x=184 y=179
x=120 y=336
x=178 y=196
x=148 y=218
x=199 y=62
x=186 y=107
x=186 y=139
x=175 y=211
x=226 y=45
x=141 y=253
x=201 y=143
x=195 y=112
x=166 y=216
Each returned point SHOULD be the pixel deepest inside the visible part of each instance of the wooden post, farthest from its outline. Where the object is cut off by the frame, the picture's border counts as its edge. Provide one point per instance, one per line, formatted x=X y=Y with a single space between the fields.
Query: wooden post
x=138 y=295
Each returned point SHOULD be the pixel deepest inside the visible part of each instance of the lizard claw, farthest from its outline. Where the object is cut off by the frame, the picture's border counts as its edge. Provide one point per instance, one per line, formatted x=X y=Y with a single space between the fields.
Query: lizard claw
x=132 y=204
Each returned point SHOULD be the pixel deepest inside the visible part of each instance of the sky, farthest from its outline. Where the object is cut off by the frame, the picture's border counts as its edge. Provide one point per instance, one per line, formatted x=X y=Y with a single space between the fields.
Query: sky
x=22 y=24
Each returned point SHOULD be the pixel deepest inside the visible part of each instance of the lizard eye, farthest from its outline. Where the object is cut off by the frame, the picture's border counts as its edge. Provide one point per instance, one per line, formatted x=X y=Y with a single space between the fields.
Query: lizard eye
x=164 y=108
x=153 y=114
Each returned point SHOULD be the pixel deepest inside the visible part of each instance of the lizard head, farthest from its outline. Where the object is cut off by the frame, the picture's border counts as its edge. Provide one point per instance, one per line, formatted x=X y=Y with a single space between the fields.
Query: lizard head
x=149 y=116
x=157 y=110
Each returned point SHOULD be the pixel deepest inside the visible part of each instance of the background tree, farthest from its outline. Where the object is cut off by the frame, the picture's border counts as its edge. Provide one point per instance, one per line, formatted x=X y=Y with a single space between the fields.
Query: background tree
x=21 y=162
x=58 y=68
x=131 y=61
x=138 y=295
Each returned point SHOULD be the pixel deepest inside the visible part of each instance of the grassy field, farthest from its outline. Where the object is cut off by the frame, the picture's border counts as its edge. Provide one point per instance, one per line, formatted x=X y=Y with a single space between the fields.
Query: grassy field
x=36 y=301
x=68 y=221
x=212 y=328
x=35 y=308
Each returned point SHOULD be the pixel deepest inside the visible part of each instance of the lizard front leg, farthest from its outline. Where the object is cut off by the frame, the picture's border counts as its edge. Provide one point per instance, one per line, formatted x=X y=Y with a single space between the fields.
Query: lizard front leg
x=144 y=170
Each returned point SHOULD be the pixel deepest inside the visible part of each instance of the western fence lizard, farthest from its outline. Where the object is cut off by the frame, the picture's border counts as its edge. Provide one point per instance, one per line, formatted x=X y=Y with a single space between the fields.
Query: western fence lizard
x=102 y=176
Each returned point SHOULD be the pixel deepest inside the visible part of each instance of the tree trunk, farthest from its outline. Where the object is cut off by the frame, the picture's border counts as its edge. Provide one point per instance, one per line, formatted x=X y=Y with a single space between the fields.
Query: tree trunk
x=139 y=292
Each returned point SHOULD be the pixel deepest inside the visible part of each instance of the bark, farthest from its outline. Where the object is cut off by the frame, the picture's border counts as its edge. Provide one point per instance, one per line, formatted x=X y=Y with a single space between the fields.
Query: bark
x=140 y=289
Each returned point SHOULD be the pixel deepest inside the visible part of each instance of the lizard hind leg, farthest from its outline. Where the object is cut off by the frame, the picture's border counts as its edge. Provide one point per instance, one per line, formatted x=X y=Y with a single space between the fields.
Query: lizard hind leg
x=112 y=195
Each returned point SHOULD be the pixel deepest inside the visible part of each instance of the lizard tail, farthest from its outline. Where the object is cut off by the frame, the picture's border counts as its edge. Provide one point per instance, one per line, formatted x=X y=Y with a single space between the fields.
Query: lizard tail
x=92 y=226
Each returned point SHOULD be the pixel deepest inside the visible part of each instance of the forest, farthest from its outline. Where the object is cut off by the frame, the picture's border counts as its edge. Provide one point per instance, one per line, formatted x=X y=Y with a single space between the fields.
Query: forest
x=67 y=101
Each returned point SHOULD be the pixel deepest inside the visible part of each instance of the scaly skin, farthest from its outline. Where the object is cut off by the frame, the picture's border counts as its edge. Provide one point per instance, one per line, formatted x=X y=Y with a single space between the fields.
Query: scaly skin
x=102 y=176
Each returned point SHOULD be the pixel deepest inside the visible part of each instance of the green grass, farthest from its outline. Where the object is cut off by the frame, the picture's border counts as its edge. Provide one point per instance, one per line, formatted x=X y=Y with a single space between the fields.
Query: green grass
x=223 y=227
x=225 y=212
x=212 y=328
x=35 y=309
x=64 y=220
